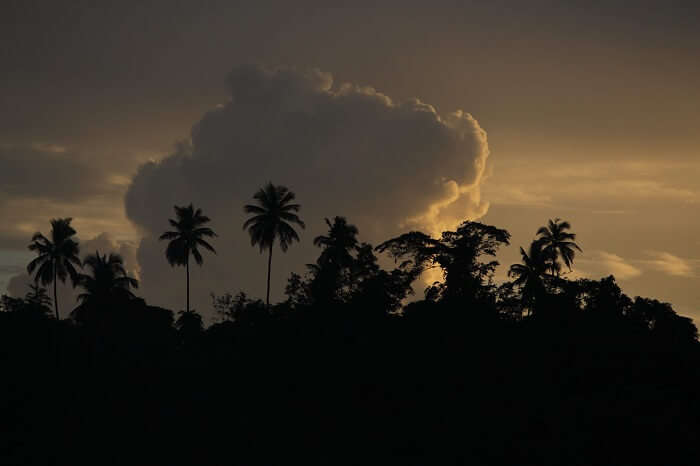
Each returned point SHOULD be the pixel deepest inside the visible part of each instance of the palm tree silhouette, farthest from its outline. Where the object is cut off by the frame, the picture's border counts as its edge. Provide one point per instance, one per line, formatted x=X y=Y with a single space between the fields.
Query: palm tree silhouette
x=186 y=239
x=528 y=275
x=108 y=281
x=271 y=220
x=338 y=244
x=332 y=272
x=57 y=257
x=558 y=242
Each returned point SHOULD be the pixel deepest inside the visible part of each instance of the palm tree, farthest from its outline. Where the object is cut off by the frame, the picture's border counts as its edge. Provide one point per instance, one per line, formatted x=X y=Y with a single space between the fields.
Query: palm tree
x=332 y=270
x=186 y=239
x=528 y=275
x=557 y=242
x=108 y=281
x=337 y=245
x=57 y=257
x=271 y=221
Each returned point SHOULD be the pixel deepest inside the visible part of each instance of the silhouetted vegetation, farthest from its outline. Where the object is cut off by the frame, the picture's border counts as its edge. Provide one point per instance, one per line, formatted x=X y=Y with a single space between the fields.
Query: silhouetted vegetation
x=57 y=257
x=272 y=220
x=105 y=289
x=557 y=243
x=349 y=369
x=186 y=240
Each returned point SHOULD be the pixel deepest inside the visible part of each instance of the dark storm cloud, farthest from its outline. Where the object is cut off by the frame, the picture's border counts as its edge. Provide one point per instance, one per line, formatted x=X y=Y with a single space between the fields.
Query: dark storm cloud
x=344 y=149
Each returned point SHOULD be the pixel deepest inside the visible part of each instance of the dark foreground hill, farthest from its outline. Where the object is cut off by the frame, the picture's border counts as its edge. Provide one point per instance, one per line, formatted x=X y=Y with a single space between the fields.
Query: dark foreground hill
x=538 y=371
x=341 y=387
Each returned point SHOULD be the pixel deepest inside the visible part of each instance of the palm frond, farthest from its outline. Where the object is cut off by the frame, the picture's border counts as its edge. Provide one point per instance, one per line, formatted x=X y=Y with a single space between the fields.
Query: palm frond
x=72 y=273
x=197 y=256
x=286 y=196
x=253 y=209
x=204 y=231
x=187 y=235
x=34 y=263
x=205 y=245
x=290 y=207
x=45 y=273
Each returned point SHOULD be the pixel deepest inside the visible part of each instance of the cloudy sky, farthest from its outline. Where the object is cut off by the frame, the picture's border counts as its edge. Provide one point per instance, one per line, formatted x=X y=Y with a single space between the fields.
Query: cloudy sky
x=405 y=115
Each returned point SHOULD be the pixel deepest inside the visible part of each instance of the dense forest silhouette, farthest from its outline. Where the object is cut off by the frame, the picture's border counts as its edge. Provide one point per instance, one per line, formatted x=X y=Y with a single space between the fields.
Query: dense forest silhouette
x=357 y=365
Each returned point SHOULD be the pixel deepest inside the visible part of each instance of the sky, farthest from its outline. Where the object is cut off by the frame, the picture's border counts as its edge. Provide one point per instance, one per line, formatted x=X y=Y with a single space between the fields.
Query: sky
x=398 y=115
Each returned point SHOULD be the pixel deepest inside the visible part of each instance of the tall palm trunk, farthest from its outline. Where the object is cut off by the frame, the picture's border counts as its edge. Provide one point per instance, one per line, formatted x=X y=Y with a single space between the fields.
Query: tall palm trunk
x=55 y=297
x=187 y=268
x=269 y=267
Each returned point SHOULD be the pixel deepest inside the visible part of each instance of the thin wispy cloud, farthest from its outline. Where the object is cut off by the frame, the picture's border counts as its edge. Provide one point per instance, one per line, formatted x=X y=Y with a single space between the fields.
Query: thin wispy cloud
x=520 y=196
x=610 y=212
x=597 y=264
x=603 y=186
x=670 y=264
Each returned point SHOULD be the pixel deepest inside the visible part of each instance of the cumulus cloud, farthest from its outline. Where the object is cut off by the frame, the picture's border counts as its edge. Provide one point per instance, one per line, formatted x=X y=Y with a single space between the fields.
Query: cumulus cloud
x=669 y=264
x=599 y=264
x=344 y=149
x=18 y=285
